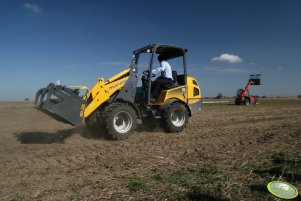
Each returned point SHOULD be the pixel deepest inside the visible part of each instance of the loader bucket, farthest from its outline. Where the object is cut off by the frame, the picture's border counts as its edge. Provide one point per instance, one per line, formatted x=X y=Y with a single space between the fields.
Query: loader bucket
x=255 y=79
x=61 y=103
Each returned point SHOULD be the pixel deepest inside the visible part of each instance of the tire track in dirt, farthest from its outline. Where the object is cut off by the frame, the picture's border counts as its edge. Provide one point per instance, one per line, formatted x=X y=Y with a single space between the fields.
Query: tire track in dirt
x=168 y=147
x=239 y=135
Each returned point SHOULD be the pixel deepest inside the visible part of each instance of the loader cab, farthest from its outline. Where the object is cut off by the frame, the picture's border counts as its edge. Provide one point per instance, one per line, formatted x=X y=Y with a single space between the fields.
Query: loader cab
x=147 y=60
x=240 y=92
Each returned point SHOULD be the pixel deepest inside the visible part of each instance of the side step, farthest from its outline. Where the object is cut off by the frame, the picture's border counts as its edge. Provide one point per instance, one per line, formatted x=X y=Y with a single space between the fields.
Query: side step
x=61 y=103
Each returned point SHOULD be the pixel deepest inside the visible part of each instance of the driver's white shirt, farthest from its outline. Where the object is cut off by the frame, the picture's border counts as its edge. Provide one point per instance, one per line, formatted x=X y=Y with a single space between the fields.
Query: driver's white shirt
x=165 y=70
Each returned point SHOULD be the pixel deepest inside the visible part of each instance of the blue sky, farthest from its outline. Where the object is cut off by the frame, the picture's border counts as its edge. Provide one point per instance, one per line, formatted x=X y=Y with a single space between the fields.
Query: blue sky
x=78 y=41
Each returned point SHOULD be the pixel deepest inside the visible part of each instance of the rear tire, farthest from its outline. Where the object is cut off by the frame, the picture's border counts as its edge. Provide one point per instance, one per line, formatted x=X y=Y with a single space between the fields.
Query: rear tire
x=120 y=120
x=256 y=101
x=237 y=102
x=175 y=118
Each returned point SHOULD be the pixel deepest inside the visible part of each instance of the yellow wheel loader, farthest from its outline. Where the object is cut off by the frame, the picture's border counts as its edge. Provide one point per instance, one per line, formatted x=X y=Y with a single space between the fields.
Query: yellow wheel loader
x=118 y=103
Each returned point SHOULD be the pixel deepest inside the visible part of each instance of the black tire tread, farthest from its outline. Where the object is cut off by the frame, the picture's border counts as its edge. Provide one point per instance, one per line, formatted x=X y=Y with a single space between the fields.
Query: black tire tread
x=167 y=125
x=247 y=102
x=110 y=111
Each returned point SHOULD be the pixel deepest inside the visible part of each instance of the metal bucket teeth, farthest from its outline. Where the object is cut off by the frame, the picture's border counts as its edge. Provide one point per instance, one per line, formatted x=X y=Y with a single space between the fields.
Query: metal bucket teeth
x=40 y=97
x=61 y=103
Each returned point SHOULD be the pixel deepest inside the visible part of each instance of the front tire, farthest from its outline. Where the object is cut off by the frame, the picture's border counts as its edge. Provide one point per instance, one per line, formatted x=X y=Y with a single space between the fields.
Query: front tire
x=120 y=120
x=247 y=102
x=175 y=118
x=95 y=126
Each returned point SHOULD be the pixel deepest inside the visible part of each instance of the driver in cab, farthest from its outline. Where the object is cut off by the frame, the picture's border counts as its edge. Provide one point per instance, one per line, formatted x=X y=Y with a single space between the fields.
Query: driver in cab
x=164 y=79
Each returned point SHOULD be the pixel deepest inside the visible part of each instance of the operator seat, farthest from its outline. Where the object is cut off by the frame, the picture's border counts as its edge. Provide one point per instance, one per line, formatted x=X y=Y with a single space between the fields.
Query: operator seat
x=173 y=84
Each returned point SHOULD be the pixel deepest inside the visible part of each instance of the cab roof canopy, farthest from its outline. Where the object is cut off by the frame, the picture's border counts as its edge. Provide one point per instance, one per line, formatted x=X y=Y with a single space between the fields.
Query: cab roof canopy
x=167 y=51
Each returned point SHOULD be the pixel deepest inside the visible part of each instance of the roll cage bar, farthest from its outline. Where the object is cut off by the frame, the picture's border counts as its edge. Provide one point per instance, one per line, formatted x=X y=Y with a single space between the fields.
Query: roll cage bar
x=167 y=51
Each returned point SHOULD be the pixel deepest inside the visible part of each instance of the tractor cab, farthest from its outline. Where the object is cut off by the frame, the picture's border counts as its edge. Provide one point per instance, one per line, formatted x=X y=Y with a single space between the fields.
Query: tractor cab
x=240 y=91
x=148 y=56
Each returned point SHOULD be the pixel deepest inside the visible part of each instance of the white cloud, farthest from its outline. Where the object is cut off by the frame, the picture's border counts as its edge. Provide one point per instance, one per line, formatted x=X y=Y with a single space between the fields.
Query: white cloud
x=280 y=68
x=32 y=7
x=227 y=57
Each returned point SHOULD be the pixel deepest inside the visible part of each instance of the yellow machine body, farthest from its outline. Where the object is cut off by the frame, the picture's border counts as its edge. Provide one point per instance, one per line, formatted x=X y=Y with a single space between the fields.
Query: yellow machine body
x=102 y=91
x=117 y=103
x=189 y=94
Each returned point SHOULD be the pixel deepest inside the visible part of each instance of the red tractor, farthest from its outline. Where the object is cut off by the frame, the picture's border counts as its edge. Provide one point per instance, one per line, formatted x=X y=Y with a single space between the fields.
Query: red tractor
x=243 y=96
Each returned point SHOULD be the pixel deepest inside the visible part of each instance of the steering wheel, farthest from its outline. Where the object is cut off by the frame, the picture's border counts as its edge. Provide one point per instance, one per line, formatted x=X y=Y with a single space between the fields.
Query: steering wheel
x=146 y=73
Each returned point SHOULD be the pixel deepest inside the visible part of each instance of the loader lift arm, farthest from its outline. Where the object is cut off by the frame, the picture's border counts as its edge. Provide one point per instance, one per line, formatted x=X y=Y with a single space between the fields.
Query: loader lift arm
x=247 y=87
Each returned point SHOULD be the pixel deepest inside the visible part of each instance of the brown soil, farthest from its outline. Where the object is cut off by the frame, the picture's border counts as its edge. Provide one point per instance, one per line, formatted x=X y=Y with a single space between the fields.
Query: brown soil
x=42 y=159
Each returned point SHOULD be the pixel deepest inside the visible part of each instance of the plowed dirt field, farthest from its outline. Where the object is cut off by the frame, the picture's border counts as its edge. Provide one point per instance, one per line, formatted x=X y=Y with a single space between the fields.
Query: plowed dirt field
x=226 y=152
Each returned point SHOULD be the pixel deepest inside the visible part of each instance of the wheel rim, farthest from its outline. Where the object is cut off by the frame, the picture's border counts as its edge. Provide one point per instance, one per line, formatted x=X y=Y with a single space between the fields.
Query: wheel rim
x=122 y=122
x=178 y=117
